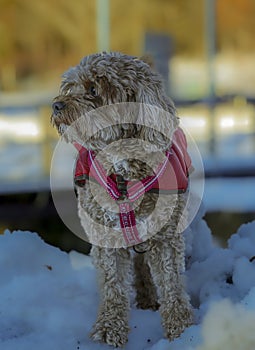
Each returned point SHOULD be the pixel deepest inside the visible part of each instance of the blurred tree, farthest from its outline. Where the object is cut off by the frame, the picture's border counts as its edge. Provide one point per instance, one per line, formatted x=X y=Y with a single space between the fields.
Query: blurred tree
x=236 y=25
x=45 y=37
x=37 y=35
x=180 y=18
x=7 y=45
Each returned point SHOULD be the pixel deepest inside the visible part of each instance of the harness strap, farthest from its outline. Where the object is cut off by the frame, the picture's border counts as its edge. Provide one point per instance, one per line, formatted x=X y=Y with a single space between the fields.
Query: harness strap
x=175 y=179
x=128 y=224
x=126 y=212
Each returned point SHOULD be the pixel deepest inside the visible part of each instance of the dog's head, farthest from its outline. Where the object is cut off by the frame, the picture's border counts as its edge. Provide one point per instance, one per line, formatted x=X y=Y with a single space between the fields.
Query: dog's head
x=111 y=78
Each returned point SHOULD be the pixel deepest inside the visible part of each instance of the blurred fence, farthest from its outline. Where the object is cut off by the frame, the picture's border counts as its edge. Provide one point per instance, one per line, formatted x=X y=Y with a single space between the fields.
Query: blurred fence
x=223 y=128
x=27 y=141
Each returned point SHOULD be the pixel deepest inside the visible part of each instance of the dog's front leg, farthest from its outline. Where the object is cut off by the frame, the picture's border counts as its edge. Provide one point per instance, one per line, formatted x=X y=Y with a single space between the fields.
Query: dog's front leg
x=114 y=267
x=166 y=260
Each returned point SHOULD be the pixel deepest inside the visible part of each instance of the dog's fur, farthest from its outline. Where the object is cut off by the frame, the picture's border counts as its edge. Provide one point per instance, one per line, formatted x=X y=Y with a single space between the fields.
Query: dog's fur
x=105 y=79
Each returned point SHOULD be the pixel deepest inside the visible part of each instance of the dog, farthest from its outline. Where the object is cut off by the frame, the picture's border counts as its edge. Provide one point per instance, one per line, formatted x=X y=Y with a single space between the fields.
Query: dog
x=126 y=129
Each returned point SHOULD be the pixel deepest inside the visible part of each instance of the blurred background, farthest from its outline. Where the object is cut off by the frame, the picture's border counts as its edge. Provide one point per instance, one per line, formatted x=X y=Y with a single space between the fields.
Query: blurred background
x=205 y=51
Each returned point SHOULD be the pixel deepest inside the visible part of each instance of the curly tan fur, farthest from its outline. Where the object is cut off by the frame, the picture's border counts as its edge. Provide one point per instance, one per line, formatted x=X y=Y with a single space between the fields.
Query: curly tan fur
x=106 y=79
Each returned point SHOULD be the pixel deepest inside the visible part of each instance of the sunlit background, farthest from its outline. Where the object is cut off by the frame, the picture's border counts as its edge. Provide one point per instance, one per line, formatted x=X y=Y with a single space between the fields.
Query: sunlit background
x=205 y=51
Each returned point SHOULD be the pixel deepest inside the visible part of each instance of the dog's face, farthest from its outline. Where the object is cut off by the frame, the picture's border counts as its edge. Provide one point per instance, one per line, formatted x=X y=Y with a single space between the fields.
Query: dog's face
x=106 y=79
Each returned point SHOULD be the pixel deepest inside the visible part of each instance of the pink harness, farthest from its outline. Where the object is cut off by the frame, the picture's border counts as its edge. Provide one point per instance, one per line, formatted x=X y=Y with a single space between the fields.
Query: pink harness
x=171 y=176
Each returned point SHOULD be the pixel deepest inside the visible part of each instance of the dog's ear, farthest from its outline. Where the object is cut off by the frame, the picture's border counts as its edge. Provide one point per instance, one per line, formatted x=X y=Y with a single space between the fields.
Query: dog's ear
x=157 y=107
x=149 y=87
x=151 y=91
x=147 y=58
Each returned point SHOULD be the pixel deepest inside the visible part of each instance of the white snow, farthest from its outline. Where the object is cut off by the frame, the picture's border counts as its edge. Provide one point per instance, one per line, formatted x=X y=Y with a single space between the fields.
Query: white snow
x=49 y=299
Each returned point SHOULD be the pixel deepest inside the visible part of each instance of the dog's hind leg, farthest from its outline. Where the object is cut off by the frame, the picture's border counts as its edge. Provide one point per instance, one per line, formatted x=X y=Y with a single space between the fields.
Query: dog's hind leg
x=114 y=267
x=146 y=294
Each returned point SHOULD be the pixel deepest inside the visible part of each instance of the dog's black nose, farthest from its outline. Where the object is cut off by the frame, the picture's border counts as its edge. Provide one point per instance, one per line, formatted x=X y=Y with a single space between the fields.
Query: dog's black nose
x=58 y=106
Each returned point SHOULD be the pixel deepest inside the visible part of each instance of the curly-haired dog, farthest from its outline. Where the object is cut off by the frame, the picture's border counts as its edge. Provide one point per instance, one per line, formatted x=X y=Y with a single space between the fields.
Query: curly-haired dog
x=107 y=79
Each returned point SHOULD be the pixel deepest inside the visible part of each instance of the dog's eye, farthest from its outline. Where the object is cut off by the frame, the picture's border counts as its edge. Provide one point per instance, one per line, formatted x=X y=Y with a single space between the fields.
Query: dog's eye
x=92 y=90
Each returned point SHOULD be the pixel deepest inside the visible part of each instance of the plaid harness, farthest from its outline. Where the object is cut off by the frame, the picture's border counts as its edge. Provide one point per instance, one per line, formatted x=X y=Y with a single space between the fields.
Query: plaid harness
x=171 y=176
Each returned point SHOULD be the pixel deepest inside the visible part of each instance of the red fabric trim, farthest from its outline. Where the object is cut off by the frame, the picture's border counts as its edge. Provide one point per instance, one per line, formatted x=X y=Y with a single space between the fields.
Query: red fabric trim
x=128 y=224
x=174 y=177
x=170 y=176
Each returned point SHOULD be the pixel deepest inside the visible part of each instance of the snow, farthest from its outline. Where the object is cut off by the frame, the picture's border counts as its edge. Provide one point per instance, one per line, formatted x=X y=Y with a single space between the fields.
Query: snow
x=49 y=298
x=232 y=325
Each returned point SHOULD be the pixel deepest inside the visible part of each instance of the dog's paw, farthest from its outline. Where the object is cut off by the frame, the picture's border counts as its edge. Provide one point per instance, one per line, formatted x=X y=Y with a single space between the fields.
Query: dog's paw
x=176 y=320
x=110 y=332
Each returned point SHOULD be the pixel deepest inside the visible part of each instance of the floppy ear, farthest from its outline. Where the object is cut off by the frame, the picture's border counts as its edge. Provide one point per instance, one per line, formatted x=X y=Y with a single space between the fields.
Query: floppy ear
x=147 y=58
x=159 y=112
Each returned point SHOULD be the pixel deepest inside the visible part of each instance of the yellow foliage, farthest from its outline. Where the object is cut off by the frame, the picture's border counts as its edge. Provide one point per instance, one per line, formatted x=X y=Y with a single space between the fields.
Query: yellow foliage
x=39 y=36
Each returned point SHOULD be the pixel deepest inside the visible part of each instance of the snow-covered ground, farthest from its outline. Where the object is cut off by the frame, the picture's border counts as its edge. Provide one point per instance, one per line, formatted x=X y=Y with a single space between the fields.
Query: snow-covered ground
x=48 y=298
